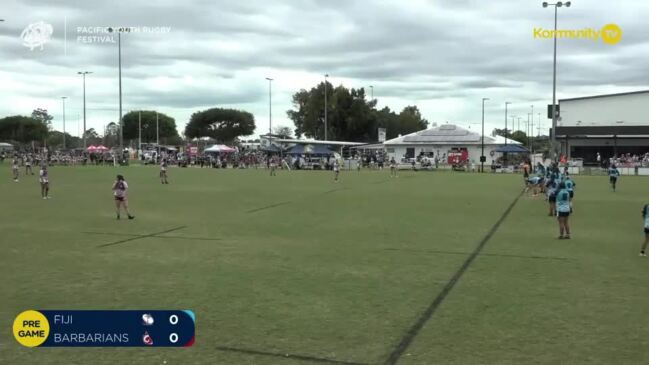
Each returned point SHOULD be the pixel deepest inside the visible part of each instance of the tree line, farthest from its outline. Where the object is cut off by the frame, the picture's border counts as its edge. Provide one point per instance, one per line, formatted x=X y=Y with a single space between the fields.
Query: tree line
x=350 y=117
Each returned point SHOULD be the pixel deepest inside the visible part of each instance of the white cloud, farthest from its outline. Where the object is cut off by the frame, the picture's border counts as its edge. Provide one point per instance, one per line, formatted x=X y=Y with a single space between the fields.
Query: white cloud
x=442 y=56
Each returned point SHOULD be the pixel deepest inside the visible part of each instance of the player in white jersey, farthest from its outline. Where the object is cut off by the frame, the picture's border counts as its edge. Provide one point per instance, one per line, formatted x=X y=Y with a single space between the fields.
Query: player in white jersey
x=273 y=166
x=163 y=171
x=28 y=165
x=44 y=179
x=393 y=167
x=119 y=191
x=336 y=170
x=14 y=169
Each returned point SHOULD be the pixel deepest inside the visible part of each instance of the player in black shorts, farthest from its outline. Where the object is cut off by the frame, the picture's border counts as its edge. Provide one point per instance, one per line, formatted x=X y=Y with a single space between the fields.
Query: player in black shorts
x=613 y=174
x=121 y=200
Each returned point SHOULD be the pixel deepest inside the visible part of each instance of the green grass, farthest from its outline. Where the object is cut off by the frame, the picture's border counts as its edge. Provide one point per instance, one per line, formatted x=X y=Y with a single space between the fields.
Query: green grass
x=334 y=271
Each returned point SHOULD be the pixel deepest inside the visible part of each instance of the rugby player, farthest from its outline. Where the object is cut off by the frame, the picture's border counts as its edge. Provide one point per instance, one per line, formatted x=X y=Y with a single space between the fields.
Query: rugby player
x=119 y=191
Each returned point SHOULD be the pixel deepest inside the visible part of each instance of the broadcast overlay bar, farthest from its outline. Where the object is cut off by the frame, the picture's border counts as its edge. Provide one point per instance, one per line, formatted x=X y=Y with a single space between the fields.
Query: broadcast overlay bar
x=105 y=328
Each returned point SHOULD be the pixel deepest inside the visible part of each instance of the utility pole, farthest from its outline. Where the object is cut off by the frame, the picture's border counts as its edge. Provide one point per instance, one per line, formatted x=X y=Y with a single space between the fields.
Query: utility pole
x=63 y=98
x=325 y=107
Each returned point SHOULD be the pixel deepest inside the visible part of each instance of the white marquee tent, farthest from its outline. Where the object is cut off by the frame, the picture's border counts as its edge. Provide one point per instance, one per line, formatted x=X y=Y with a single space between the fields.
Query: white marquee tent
x=444 y=139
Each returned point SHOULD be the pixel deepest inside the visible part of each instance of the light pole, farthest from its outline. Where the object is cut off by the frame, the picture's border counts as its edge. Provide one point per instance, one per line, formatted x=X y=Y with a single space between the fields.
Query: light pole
x=505 y=154
x=119 y=32
x=538 y=135
x=527 y=130
x=554 y=78
x=63 y=99
x=270 y=107
x=139 y=133
x=157 y=134
x=84 y=73
x=325 y=107
x=372 y=92
x=482 y=156
x=532 y=127
x=519 y=124
x=119 y=62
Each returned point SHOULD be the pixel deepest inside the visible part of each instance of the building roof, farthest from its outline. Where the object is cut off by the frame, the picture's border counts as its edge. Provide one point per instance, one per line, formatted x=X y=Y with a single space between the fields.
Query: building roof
x=448 y=134
x=606 y=95
x=313 y=141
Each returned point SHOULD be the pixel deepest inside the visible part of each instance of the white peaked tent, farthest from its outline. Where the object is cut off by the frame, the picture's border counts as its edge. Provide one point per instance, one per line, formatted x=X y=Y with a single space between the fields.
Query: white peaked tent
x=444 y=140
x=220 y=148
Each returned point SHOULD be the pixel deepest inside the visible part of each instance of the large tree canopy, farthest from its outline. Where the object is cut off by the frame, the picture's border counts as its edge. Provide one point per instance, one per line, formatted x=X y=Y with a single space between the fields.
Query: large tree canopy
x=349 y=116
x=55 y=140
x=43 y=116
x=22 y=129
x=283 y=131
x=166 y=123
x=224 y=125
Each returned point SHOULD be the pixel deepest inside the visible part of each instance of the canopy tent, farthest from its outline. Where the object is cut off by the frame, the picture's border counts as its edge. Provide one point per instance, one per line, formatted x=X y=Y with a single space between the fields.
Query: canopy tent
x=6 y=146
x=92 y=148
x=220 y=148
x=102 y=148
x=271 y=148
x=512 y=148
x=309 y=149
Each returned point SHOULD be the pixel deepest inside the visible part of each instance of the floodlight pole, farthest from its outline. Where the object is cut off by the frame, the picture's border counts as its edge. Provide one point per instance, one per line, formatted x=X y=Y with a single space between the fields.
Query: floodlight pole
x=157 y=133
x=139 y=133
x=63 y=99
x=527 y=130
x=325 y=107
x=482 y=156
x=532 y=127
x=84 y=73
x=553 y=139
x=270 y=107
x=119 y=62
x=505 y=154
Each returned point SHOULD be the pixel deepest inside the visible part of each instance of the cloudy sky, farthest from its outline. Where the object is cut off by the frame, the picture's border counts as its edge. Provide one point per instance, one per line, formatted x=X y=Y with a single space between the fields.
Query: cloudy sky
x=443 y=56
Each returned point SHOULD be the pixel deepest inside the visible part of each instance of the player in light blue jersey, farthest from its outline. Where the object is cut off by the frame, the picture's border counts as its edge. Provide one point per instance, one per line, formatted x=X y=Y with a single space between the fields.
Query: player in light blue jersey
x=570 y=186
x=534 y=183
x=563 y=211
x=551 y=190
x=613 y=174
x=645 y=215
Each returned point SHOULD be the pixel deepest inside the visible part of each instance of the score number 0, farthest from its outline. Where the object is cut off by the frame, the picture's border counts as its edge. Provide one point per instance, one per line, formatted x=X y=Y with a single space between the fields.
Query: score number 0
x=173 y=319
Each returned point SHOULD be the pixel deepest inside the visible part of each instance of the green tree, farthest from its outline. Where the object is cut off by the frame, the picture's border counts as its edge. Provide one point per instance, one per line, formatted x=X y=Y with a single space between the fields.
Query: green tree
x=224 y=125
x=349 y=115
x=22 y=129
x=111 y=135
x=55 y=140
x=283 y=132
x=167 y=126
x=410 y=120
x=44 y=117
x=519 y=136
x=92 y=137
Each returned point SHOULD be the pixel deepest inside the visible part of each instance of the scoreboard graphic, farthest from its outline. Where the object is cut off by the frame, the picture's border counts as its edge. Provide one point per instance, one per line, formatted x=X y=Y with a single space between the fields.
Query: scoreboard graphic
x=105 y=328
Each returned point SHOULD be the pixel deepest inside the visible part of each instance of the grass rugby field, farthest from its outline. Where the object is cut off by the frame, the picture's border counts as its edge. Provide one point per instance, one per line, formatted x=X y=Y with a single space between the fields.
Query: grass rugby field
x=443 y=268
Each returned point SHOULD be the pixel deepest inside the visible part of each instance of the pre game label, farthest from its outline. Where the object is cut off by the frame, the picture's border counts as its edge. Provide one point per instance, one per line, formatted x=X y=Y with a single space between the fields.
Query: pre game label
x=133 y=328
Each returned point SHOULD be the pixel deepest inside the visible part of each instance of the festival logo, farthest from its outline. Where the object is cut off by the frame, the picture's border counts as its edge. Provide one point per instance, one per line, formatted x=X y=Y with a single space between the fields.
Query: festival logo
x=36 y=35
